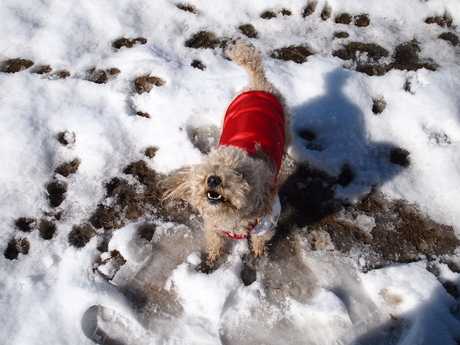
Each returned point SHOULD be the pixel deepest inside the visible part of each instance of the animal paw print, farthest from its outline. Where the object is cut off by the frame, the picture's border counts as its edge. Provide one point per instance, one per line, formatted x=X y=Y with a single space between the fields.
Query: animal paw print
x=56 y=192
x=141 y=84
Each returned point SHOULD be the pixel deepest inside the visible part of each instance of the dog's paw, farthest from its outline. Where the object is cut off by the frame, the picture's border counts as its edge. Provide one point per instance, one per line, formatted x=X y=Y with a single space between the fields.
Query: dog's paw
x=213 y=256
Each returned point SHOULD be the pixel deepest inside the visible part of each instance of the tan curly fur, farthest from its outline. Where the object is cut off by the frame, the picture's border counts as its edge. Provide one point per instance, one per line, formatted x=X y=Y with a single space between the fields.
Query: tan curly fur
x=246 y=184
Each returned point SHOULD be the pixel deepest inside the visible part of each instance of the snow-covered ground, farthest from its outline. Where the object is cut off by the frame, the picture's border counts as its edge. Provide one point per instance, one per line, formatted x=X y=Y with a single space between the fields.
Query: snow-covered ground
x=311 y=297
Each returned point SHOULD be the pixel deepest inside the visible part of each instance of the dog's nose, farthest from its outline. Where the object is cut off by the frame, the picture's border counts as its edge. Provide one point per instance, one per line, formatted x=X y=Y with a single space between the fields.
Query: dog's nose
x=214 y=181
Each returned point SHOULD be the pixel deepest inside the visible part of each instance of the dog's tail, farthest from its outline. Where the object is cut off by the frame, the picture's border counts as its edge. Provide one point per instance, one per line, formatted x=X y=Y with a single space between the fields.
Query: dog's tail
x=250 y=59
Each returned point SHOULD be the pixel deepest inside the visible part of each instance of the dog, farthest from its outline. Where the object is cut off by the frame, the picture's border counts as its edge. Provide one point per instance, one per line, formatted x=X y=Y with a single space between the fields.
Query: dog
x=235 y=186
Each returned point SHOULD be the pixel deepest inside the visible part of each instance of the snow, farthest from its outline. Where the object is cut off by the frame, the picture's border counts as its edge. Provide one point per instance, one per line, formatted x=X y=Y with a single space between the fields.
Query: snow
x=46 y=295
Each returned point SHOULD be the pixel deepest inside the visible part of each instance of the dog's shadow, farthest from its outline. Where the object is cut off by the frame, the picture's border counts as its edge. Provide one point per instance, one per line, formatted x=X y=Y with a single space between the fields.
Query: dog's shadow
x=330 y=136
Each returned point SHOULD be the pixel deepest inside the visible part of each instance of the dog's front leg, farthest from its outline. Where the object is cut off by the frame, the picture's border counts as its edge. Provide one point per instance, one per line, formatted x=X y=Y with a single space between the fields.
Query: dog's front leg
x=259 y=244
x=215 y=242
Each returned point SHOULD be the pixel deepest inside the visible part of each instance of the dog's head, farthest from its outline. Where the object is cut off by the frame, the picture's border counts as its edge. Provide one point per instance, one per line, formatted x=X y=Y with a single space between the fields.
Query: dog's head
x=228 y=183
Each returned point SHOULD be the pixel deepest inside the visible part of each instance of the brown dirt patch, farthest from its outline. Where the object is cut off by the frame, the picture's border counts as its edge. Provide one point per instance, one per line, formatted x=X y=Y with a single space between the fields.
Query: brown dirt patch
x=47 y=229
x=401 y=233
x=56 y=192
x=206 y=40
x=443 y=21
x=362 y=20
x=378 y=105
x=309 y=9
x=248 y=30
x=16 y=65
x=400 y=157
x=450 y=37
x=187 y=8
x=151 y=151
x=99 y=76
x=343 y=18
x=198 y=64
x=406 y=57
x=298 y=54
x=352 y=49
x=143 y=114
x=81 y=235
x=368 y=57
x=268 y=15
x=146 y=84
x=43 y=69
x=15 y=247
x=326 y=13
x=128 y=43
x=130 y=201
x=68 y=168
x=341 y=34
x=25 y=224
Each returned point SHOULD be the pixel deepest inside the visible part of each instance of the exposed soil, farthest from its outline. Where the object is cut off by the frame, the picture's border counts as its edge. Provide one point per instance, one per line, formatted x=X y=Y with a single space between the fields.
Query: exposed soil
x=297 y=54
x=68 y=168
x=370 y=58
x=443 y=21
x=362 y=20
x=401 y=233
x=343 y=18
x=309 y=9
x=326 y=12
x=151 y=151
x=187 y=8
x=450 y=37
x=204 y=39
x=15 y=65
x=56 y=192
x=198 y=64
x=146 y=83
x=128 y=43
x=378 y=105
x=400 y=157
x=81 y=235
x=47 y=229
x=62 y=74
x=341 y=34
x=102 y=76
x=25 y=224
x=268 y=15
x=406 y=57
x=143 y=114
x=43 y=69
x=248 y=30
x=15 y=247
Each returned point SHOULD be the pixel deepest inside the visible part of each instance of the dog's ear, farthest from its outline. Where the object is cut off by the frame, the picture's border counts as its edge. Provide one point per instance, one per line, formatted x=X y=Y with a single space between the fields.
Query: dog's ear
x=177 y=185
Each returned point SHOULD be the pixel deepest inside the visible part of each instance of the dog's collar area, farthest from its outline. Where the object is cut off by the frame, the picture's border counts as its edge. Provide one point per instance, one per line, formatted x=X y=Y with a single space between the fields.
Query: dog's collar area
x=260 y=226
x=240 y=237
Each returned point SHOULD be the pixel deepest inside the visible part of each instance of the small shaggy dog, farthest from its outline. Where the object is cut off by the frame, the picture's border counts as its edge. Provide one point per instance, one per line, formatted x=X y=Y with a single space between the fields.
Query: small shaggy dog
x=235 y=186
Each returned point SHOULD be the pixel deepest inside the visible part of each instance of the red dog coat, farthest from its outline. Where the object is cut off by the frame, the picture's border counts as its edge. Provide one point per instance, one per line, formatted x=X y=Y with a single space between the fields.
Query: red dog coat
x=255 y=119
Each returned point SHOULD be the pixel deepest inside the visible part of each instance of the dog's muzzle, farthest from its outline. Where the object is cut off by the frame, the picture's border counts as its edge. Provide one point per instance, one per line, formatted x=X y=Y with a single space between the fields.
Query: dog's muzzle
x=214 y=181
x=214 y=197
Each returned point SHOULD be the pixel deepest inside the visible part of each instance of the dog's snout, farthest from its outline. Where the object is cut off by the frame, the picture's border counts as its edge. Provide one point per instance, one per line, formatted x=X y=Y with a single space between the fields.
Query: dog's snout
x=214 y=181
